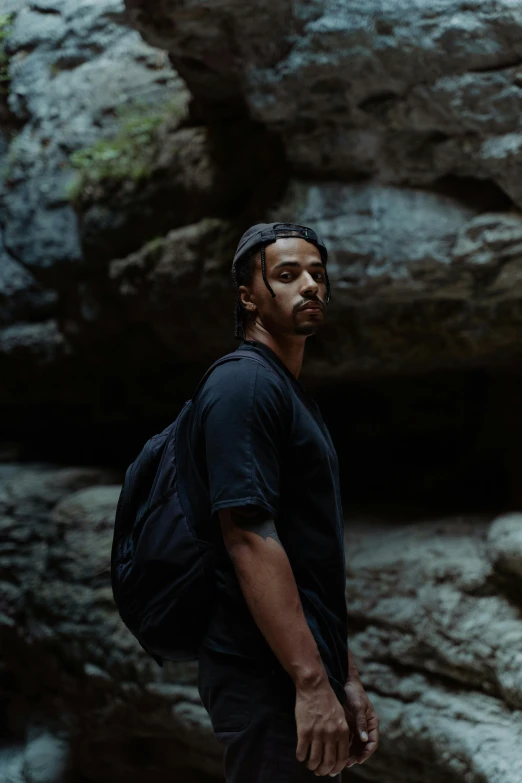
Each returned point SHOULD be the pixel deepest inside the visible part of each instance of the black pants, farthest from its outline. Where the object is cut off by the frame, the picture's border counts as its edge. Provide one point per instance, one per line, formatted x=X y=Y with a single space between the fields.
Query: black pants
x=251 y=708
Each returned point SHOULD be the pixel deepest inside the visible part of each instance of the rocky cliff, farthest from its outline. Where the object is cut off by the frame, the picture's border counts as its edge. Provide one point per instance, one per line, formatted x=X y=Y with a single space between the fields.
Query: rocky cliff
x=395 y=133
x=435 y=627
x=137 y=142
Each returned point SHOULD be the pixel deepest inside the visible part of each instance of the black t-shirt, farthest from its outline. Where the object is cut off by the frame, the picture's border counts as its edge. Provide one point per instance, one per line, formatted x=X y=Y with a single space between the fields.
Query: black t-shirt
x=257 y=439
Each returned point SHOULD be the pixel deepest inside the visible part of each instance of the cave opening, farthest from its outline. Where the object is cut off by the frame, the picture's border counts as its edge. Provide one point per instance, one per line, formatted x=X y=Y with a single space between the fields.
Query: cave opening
x=431 y=444
x=445 y=442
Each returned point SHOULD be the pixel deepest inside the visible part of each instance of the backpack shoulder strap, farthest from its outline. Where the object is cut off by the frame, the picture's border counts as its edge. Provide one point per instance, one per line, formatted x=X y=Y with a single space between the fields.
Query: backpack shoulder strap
x=237 y=355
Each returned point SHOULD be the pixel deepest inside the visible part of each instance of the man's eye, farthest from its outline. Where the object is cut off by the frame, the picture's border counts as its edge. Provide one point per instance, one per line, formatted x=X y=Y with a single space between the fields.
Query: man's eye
x=287 y=274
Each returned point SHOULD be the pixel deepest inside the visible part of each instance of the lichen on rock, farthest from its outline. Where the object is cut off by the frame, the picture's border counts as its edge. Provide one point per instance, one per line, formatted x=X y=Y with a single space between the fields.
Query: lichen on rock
x=6 y=21
x=129 y=153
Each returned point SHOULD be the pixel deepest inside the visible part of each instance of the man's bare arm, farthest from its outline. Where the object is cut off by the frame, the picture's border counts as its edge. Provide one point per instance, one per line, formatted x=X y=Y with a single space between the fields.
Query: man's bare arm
x=268 y=585
x=353 y=673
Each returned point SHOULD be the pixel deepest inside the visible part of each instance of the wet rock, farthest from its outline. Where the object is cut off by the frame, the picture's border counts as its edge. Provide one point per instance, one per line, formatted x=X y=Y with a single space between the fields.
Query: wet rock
x=434 y=631
x=179 y=286
x=46 y=759
x=100 y=693
x=419 y=280
x=21 y=295
x=370 y=90
x=437 y=642
x=505 y=545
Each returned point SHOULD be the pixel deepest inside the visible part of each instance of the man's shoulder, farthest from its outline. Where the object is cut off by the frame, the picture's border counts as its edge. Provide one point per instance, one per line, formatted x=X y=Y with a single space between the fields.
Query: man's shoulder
x=239 y=375
x=245 y=368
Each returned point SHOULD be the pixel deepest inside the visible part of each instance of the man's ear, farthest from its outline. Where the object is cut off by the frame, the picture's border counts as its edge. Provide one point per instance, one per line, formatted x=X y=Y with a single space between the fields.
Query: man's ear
x=249 y=305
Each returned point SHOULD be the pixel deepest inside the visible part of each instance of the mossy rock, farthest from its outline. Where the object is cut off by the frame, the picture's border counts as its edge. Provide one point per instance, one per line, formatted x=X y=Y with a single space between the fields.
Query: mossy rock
x=6 y=23
x=129 y=154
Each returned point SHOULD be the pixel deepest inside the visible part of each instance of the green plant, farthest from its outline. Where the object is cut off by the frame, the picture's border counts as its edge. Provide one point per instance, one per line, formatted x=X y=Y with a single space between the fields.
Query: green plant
x=6 y=23
x=128 y=155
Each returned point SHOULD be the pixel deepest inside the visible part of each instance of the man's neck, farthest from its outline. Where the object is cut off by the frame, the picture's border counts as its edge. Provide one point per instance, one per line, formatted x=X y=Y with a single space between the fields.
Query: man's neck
x=291 y=353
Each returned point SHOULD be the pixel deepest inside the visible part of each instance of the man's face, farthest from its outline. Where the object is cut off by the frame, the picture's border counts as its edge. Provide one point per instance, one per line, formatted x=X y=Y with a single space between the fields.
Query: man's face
x=296 y=275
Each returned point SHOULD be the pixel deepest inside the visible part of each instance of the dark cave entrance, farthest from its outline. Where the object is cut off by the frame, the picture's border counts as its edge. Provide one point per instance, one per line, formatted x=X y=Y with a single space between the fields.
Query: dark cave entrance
x=437 y=443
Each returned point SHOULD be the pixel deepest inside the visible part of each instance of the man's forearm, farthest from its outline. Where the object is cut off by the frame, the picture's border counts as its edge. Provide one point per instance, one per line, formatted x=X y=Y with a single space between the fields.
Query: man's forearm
x=353 y=674
x=268 y=585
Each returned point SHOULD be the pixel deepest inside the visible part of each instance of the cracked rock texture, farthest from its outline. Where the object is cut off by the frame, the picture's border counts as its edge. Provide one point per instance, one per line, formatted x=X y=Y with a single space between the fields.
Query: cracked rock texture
x=436 y=632
x=138 y=141
x=403 y=92
x=77 y=687
x=408 y=122
x=102 y=156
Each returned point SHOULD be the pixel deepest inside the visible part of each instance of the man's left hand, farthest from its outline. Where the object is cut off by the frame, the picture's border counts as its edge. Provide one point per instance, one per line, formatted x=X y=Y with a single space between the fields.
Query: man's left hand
x=362 y=720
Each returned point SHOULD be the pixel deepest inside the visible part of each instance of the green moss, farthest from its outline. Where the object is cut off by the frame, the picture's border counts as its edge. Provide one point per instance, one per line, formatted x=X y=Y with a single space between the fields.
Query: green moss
x=9 y=160
x=128 y=155
x=154 y=245
x=6 y=23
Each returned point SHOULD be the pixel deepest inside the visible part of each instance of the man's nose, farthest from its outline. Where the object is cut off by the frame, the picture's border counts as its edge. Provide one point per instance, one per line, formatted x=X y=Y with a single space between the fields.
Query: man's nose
x=310 y=284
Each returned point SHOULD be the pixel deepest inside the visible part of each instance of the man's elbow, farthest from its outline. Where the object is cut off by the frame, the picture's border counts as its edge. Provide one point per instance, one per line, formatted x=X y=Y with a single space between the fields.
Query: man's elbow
x=246 y=527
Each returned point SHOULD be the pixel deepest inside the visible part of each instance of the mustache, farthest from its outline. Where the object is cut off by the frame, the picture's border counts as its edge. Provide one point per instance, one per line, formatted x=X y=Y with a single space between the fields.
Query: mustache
x=316 y=302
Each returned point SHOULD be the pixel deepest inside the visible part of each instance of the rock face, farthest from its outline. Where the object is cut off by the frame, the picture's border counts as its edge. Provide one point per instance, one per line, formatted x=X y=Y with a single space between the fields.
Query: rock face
x=420 y=280
x=407 y=122
x=434 y=630
x=85 y=697
x=137 y=141
x=438 y=640
x=404 y=100
x=104 y=156
x=407 y=95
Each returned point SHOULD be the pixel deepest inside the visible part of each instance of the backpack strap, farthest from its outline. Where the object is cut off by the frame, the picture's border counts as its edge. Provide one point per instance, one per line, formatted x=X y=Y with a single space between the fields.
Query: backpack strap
x=237 y=355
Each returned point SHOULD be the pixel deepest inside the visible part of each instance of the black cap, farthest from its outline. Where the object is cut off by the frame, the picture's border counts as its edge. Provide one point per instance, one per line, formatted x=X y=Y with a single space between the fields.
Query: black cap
x=264 y=233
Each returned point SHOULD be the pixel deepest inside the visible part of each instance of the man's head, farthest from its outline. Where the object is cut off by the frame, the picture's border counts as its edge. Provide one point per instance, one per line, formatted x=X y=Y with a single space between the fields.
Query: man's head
x=278 y=268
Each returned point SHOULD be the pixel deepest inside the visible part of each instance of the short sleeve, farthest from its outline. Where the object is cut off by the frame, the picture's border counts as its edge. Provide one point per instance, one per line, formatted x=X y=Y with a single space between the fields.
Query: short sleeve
x=245 y=417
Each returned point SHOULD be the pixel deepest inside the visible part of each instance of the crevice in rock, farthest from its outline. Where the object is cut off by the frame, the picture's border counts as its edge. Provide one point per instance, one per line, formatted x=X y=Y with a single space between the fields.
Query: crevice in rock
x=410 y=446
x=69 y=62
x=514 y=63
x=505 y=584
x=440 y=442
x=377 y=102
x=44 y=10
x=483 y=195
x=433 y=679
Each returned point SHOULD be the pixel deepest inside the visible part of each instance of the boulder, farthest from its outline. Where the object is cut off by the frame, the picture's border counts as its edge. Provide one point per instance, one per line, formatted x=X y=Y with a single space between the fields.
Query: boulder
x=505 y=546
x=405 y=95
x=437 y=639
x=104 y=706
x=434 y=629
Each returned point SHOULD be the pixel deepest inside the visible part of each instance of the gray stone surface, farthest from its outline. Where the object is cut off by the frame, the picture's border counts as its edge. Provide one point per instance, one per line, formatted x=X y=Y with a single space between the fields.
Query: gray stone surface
x=407 y=93
x=436 y=636
x=424 y=277
x=21 y=296
x=432 y=733
x=505 y=545
x=47 y=759
x=40 y=343
x=124 y=187
x=437 y=642
x=11 y=763
x=60 y=55
x=179 y=286
x=104 y=155
x=419 y=280
x=97 y=688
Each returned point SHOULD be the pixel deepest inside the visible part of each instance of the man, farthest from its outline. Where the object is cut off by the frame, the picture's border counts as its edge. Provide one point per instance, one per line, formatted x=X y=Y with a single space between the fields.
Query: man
x=275 y=674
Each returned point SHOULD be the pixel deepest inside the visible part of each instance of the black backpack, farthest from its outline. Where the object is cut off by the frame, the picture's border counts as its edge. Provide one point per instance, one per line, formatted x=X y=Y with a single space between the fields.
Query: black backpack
x=162 y=573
